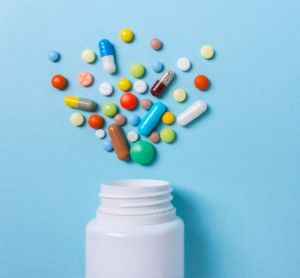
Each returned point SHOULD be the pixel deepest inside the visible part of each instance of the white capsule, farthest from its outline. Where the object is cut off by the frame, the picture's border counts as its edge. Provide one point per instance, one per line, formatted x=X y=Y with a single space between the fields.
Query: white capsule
x=192 y=112
x=108 y=63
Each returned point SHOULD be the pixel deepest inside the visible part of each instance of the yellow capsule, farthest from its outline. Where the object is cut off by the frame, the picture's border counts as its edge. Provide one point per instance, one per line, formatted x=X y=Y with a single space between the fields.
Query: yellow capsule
x=168 y=118
x=80 y=103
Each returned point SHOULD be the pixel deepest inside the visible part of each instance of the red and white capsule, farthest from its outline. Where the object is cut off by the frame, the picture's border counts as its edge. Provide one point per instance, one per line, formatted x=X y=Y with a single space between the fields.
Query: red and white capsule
x=161 y=84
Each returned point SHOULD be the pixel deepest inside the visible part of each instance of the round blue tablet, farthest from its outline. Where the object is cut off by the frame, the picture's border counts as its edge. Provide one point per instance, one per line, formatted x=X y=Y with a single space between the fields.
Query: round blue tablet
x=53 y=56
x=134 y=120
x=107 y=145
x=157 y=67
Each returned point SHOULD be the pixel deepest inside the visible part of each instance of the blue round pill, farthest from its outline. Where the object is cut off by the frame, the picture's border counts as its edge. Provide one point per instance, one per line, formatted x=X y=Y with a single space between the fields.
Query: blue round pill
x=107 y=145
x=157 y=67
x=134 y=120
x=53 y=56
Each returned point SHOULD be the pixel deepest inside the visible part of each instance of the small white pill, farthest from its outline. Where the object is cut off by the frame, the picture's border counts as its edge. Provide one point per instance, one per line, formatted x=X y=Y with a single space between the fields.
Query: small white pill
x=192 y=112
x=77 y=119
x=184 y=64
x=100 y=133
x=207 y=51
x=132 y=136
x=140 y=86
x=106 y=89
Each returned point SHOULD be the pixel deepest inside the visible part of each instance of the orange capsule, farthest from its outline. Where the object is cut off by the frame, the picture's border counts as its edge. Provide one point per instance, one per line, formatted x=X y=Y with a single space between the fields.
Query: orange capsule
x=119 y=142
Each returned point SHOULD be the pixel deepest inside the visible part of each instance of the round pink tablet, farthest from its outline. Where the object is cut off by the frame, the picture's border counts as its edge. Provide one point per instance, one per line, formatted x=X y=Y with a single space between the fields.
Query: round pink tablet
x=85 y=78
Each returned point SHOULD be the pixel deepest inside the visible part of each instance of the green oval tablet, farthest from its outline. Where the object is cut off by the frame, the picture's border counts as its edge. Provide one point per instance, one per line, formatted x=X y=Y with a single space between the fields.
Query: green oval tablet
x=109 y=109
x=142 y=152
x=137 y=70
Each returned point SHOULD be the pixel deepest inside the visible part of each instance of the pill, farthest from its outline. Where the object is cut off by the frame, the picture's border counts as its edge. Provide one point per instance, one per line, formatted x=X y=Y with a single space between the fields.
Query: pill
x=88 y=56
x=126 y=35
x=201 y=82
x=154 y=137
x=107 y=145
x=77 y=119
x=140 y=86
x=96 y=121
x=156 y=44
x=168 y=118
x=128 y=101
x=167 y=135
x=179 y=95
x=119 y=142
x=54 y=56
x=146 y=103
x=161 y=84
x=109 y=109
x=134 y=120
x=132 y=136
x=107 y=56
x=137 y=70
x=157 y=66
x=207 y=51
x=184 y=64
x=106 y=89
x=119 y=119
x=124 y=84
x=100 y=133
x=59 y=82
x=80 y=103
x=192 y=112
x=142 y=152
x=85 y=78
x=151 y=119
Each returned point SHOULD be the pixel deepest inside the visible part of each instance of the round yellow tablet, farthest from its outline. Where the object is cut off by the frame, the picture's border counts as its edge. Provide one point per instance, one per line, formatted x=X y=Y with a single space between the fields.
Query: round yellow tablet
x=124 y=84
x=168 y=118
x=88 y=56
x=77 y=119
x=126 y=35
x=207 y=51
x=179 y=95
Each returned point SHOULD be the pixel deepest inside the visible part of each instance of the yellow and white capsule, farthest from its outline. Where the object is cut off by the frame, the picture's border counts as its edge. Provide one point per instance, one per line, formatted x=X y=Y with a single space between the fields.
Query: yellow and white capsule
x=80 y=103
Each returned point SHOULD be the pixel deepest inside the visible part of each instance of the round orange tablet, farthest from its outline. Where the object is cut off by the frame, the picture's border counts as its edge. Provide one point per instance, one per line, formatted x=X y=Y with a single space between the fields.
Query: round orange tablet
x=59 y=82
x=96 y=121
x=201 y=82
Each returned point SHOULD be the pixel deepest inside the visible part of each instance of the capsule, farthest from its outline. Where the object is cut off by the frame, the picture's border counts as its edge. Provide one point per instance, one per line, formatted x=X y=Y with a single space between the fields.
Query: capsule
x=192 y=112
x=151 y=119
x=107 y=55
x=161 y=84
x=80 y=103
x=119 y=142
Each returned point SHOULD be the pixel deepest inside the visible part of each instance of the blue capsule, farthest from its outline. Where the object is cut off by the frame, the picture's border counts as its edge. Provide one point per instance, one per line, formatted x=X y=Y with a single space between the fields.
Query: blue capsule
x=107 y=55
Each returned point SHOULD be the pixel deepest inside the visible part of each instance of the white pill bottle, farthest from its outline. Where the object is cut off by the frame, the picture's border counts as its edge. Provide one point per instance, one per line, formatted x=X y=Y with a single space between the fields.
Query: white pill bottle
x=136 y=233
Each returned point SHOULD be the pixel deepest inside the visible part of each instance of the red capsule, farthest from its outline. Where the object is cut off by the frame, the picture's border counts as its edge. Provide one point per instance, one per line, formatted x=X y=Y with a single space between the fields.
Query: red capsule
x=161 y=84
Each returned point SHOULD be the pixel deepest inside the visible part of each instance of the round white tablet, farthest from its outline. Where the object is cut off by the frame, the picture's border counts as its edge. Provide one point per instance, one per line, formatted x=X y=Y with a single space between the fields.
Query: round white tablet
x=184 y=64
x=106 y=89
x=100 y=133
x=132 y=136
x=140 y=86
x=207 y=51
x=77 y=119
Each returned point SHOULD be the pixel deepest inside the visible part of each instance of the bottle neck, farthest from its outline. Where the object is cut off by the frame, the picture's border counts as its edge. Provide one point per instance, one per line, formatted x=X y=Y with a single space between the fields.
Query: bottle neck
x=136 y=202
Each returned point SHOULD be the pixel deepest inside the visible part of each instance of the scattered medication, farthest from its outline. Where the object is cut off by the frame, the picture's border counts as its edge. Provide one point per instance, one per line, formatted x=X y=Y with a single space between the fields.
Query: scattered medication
x=179 y=95
x=54 y=56
x=192 y=112
x=201 y=82
x=157 y=66
x=134 y=120
x=124 y=84
x=126 y=35
x=100 y=133
x=77 y=119
x=137 y=70
x=132 y=136
x=168 y=118
x=119 y=119
x=85 y=78
x=146 y=104
x=107 y=56
x=96 y=121
x=156 y=44
x=167 y=135
x=88 y=56
x=151 y=119
x=107 y=145
x=154 y=137
x=128 y=101
x=106 y=89
x=207 y=51
x=59 y=82
x=119 y=142
x=80 y=103
x=184 y=64
x=161 y=84
x=140 y=86
x=109 y=109
x=142 y=152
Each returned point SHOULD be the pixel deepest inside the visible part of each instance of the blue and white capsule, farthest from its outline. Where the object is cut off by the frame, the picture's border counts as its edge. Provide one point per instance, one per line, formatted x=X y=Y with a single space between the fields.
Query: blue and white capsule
x=107 y=55
x=151 y=119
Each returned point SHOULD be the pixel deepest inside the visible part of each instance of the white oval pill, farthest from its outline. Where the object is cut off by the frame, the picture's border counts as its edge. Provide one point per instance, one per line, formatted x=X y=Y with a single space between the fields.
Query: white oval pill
x=106 y=89
x=140 y=86
x=132 y=136
x=77 y=119
x=192 y=112
x=184 y=64
x=100 y=133
x=207 y=51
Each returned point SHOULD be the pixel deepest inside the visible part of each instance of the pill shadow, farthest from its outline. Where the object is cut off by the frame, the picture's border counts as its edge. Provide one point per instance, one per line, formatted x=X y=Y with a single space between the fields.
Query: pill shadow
x=200 y=259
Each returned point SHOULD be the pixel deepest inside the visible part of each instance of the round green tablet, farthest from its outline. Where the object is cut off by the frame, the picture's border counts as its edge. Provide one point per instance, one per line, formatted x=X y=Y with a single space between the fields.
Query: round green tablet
x=167 y=135
x=137 y=70
x=142 y=152
x=109 y=109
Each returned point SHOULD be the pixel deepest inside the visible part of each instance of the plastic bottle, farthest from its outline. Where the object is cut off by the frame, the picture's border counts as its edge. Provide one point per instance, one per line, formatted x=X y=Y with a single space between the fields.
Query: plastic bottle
x=136 y=233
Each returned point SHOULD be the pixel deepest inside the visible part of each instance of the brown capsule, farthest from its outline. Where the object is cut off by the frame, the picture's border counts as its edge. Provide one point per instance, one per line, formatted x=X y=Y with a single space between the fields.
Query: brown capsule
x=119 y=142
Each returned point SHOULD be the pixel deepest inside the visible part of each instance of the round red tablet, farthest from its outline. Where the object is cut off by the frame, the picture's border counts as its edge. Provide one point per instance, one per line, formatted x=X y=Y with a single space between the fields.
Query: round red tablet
x=201 y=82
x=128 y=101
x=96 y=121
x=59 y=82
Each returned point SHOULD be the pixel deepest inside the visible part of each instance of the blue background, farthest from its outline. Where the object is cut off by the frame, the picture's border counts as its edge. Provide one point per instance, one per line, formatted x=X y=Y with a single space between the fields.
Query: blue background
x=235 y=171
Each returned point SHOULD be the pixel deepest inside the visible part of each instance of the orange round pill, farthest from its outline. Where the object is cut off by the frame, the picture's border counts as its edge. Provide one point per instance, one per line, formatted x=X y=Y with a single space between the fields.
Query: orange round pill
x=96 y=121
x=201 y=82
x=59 y=82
